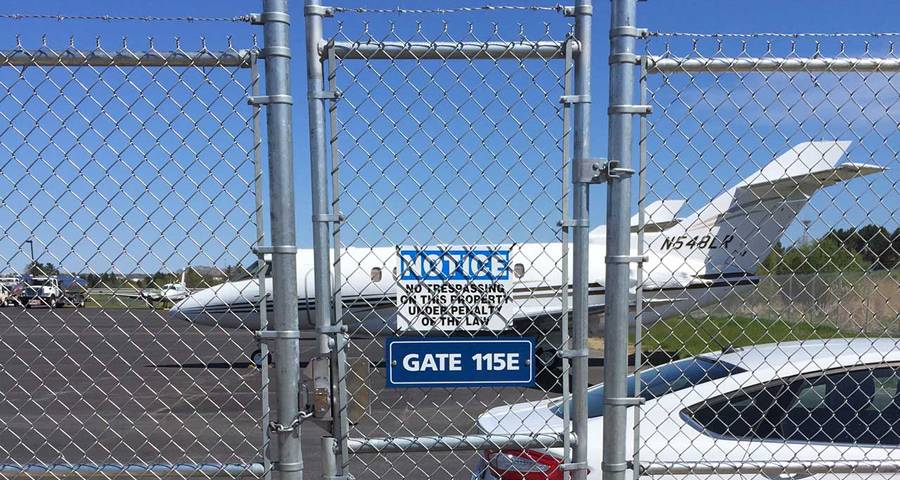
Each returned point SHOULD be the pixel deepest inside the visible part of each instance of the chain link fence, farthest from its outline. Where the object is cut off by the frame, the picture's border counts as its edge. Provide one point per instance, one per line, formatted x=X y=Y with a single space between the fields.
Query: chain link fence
x=768 y=215
x=131 y=179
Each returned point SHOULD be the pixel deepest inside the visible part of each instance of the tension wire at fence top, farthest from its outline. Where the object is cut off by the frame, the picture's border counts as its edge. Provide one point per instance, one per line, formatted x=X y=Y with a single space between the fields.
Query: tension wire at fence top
x=775 y=34
x=121 y=18
x=480 y=8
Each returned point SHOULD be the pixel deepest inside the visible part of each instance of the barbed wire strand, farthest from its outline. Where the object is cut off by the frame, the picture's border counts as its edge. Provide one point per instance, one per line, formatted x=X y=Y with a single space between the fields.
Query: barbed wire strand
x=482 y=8
x=774 y=35
x=121 y=18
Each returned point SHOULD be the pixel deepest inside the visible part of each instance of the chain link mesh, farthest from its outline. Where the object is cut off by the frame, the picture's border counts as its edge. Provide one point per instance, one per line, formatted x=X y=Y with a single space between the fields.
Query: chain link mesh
x=125 y=189
x=769 y=218
x=443 y=141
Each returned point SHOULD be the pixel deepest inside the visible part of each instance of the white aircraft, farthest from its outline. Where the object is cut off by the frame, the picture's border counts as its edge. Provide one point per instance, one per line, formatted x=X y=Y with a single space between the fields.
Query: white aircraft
x=690 y=262
x=172 y=292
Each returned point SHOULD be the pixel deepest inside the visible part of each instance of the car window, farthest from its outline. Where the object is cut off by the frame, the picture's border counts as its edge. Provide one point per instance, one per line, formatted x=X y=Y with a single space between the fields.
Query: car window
x=859 y=406
x=662 y=380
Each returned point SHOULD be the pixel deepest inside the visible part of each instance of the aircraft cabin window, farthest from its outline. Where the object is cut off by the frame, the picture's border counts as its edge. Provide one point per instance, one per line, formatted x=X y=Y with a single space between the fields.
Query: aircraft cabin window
x=519 y=270
x=375 y=274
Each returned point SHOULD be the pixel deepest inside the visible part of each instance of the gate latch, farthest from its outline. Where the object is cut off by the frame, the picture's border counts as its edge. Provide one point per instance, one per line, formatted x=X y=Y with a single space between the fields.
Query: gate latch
x=599 y=170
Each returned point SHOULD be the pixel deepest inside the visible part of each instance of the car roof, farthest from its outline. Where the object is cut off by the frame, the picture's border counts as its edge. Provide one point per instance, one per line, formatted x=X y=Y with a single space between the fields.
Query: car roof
x=805 y=355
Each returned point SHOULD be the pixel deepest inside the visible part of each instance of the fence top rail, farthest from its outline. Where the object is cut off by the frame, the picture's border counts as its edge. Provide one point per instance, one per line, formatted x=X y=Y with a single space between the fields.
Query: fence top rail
x=126 y=58
x=666 y=64
x=492 y=50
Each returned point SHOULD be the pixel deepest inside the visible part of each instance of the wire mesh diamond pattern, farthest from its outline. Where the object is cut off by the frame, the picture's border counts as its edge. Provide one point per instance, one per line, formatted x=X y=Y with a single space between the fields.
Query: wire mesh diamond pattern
x=441 y=145
x=128 y=183
x=768 y=216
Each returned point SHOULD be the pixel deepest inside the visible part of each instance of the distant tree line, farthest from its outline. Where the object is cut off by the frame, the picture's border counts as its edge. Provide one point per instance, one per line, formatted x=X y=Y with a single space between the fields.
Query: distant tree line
x=872 y=247
x=200 y=277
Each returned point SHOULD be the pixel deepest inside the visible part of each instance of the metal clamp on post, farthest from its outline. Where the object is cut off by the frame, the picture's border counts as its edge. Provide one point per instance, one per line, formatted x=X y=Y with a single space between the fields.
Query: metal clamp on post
x=628 y=31
x=573 y=99
x=574 y=222
x=332 y=329
x=270 y=99
x=624 y=58
x=263 y=18
x=328 y=218
x=588 y=170
x=571 y=11
x=325 y=94
x=319 y=10
x=573 y=353
x=623 y=401
x=625 y=259
x=613 y=467
x=284 y=249
x=266 y=335
x=630 y=109
x=275 y=51
x=571 y=467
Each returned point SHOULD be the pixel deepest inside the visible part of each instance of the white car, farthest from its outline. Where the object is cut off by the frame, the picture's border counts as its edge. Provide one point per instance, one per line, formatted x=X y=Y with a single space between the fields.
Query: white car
x=813 y=401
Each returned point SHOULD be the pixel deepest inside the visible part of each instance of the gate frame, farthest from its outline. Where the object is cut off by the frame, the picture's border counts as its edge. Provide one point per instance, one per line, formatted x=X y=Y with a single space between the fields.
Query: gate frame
x=329 y=327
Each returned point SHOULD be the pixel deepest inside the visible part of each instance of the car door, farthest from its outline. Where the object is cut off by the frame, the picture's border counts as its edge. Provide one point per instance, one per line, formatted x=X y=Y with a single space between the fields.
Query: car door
x=844 y=415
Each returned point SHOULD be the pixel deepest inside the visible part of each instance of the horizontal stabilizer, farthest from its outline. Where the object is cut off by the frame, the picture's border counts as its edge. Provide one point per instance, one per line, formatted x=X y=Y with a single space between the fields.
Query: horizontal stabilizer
x=808 y=182
x=659 y=215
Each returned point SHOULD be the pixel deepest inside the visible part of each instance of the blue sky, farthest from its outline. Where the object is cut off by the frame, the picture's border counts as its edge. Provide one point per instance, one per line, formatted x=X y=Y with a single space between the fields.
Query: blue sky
x=227 y=242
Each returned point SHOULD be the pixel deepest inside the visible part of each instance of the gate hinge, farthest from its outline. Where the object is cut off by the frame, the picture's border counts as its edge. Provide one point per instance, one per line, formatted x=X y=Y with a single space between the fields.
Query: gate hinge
x=270 y=99
x=281 y=428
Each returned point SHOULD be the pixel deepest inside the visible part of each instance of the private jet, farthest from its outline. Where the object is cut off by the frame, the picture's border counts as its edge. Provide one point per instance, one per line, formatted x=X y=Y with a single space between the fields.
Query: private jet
x=689 y=262
x=170 y=292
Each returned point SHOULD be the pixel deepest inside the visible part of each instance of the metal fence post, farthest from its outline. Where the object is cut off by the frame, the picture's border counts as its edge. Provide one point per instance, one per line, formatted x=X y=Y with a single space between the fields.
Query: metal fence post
x=276 y=50
x=581 y=227
x=615 y=333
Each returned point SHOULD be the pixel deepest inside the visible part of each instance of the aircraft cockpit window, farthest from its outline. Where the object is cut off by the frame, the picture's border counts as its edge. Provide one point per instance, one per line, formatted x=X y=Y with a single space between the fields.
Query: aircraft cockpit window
x=519 y=270
x=375 y=274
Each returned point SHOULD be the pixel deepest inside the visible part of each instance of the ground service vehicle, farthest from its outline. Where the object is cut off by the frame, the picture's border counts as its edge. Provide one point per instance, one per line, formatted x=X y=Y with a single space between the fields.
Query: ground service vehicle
x=54 y=291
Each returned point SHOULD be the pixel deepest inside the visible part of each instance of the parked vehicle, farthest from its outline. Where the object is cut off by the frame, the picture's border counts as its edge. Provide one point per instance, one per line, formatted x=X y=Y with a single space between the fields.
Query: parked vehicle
x=810 y=402
x=54 y=291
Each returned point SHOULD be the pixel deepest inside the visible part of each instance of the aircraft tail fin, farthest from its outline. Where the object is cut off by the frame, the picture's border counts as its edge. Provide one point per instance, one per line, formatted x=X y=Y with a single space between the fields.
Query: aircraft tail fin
x=737 y=230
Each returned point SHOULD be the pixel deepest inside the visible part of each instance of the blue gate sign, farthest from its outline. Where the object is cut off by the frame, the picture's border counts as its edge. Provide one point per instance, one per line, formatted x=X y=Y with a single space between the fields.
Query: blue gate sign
x=459 y=362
